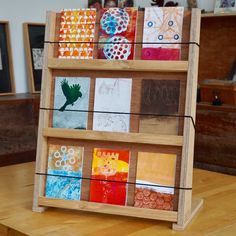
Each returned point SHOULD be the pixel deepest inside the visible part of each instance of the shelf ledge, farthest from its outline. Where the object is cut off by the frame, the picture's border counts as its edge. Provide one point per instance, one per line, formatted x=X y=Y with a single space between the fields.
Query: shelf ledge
x=207 y=15
x=153 y=139
x=109 y=209
x=111 y=65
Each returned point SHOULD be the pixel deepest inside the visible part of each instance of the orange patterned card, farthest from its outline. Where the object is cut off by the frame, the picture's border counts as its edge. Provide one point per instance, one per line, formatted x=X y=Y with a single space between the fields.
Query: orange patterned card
x=77 y=32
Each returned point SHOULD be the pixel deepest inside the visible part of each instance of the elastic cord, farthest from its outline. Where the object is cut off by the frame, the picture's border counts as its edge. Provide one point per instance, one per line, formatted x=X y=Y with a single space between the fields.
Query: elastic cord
x=133 y=43
x=123 y=113
x=114 y=181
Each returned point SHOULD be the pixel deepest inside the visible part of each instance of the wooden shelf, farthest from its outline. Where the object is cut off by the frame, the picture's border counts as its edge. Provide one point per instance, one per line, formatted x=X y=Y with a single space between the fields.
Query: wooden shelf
x=153 y=139
x=218 y=14
x=110 y=209
x=183 y=71
x=112 y=65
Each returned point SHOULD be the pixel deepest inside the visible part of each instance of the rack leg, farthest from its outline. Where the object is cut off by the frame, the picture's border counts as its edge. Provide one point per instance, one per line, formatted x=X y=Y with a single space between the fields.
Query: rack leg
x=196 y=206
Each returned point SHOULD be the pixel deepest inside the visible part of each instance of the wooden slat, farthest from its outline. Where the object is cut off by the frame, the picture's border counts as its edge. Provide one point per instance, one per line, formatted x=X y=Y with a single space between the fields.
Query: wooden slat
x=109 y=209
x=169 y=140
x=185 y=197
x=218 y=14
x=196 y=206
x=111 y=65
x=41 y=162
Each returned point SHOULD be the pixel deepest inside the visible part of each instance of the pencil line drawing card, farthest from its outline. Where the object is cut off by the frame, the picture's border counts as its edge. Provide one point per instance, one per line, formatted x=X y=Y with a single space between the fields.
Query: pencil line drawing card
x=155 y=181
x=117 y=33
x=37 y=58
x=163 y=33
x=77 y=33
x=112 y=95
x=71 y=102
x=1 y=60
x=64 y=163
x=110 y=170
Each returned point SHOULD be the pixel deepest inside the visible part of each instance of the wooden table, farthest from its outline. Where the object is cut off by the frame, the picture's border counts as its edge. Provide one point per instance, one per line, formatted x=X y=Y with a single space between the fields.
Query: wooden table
x=217 y=218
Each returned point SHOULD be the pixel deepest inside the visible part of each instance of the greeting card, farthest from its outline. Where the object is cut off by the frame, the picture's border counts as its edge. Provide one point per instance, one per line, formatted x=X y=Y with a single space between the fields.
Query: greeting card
x=117 y=33
x=109 y=176
x=64 y=172
x=162 y=33
x=77 y=32
x=155 y=181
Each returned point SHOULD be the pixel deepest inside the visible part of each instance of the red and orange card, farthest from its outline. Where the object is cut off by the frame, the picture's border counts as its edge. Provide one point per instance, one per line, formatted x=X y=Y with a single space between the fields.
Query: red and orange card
x=117 y=33
x=110 y=170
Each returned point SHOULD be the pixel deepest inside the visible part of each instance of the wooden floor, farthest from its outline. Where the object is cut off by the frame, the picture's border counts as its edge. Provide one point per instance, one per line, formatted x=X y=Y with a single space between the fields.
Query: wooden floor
x=217 y=218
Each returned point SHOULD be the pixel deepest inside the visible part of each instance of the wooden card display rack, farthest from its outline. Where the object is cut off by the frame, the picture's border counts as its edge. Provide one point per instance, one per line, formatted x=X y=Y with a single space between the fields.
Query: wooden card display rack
x=181 y=143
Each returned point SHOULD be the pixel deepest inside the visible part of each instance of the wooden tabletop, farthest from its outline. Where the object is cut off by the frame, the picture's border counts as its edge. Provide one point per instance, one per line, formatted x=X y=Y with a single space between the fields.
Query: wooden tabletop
x=217 y=218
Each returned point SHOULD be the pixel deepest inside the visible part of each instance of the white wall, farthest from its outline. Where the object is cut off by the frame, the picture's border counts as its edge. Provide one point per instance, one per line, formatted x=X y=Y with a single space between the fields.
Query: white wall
x=19 y=11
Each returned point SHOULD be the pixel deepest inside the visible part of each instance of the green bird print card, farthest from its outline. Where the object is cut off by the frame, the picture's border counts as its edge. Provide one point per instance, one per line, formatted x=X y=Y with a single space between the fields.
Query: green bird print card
x=71 y=101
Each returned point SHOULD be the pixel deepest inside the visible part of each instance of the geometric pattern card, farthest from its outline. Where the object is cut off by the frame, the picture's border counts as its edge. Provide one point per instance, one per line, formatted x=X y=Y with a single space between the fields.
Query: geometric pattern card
x=71 y=93
x=159 y=97
x=112 y=95
x=0 y=59
x=64 y=163
x=77 y=32
x=163 y=33
x=117 y=33
x=38 y=58
x=110 y=170
x=155 y=169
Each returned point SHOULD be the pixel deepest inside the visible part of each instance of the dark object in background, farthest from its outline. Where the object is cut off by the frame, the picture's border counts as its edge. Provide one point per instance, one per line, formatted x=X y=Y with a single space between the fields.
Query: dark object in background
x=171 y=4
x=125 y=3
x=95 y=4
x=217 y=101
x=110 y=3
x=192 y=4
x=160 y=3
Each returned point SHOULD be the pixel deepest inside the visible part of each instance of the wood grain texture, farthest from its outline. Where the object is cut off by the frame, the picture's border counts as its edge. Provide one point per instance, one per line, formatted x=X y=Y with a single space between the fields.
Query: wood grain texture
x=185 y=197
x=225 y=92
x=217 y=218
x=141 y=138
x=215 y=137
x=29 y=66
x=110 y=209
x=110 y=65
x=18 y=128
x=44 y=117
x=218 y=48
